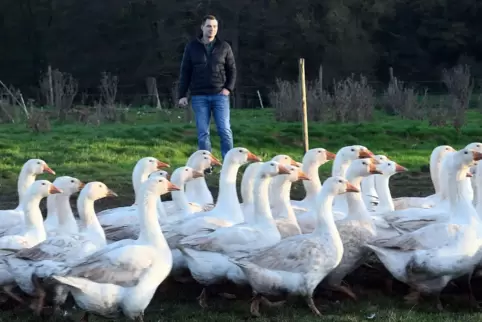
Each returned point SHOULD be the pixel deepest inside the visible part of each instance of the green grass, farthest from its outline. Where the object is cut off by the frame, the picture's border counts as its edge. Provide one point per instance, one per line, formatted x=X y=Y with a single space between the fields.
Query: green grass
x=108 y=153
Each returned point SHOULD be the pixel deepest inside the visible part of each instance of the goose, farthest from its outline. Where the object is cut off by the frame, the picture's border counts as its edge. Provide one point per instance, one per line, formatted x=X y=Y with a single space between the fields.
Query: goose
x=123 y=276
x=30 y=170
x=438 y=154
x=247 y=188
x=284 y=160
x=297 y=264
x=34 y=231
x=142 y=169
x=283 y=211
x=428 y=258
x=197 y=191
x=262 y=232
x=60 y=218
x=415 y=218
x=55 y=252
x=312 y=161
x=368 y=187
x=179 y=177
x=227 y=211
x=357 y=227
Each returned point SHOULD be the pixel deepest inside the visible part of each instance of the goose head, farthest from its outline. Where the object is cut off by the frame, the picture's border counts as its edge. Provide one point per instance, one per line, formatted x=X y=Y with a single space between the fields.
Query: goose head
x=389 y=168
x=37 y=166
x=338 y=185
x=363 y=168
x=441 y=151
x=381 y=158
x=43 y=188
x=286 y=160
x=160 y=185
x=318 y=156
x=466 y=157
x=296 y=174
x=241 y=156
x=184 y=174
x=354 y=152
x=161 y=173
x=68 y=185
x=96 y=190
x=476 y=146
x=203 y=159
x=151 y=164
x=272 y=169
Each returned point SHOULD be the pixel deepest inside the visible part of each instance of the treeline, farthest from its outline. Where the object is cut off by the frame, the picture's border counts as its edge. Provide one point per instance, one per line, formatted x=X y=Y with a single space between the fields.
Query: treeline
x=137 y=39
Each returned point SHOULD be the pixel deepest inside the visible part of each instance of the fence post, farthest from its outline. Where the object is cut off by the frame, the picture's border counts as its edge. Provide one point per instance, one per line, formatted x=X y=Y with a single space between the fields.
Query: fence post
x=302 y=83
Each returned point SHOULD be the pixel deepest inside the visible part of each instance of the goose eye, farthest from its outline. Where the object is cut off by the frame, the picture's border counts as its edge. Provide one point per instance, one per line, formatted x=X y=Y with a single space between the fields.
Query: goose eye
x=160 y=180
x=43 y=183
x=38 y=162
x=352 y=150
x=186 y=170
x=286 y=158
x=240 y=151
x=364 y=163
x=72 y=181
x=272 y=164
x=389 y=164
x=466 y=152
x=340 y=181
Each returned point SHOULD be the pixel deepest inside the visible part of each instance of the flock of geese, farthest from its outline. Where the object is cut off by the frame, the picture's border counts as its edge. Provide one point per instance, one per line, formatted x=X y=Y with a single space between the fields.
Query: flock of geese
x=112 y=262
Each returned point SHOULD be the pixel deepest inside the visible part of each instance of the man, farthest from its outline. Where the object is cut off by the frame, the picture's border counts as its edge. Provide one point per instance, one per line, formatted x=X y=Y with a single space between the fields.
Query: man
x=209 y=70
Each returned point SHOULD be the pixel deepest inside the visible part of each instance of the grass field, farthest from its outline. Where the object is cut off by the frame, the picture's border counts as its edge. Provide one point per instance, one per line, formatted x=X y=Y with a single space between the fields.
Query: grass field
x=108 y=153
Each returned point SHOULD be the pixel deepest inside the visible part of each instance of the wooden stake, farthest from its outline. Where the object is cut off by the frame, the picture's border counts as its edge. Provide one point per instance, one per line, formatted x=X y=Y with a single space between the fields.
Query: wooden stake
x=303 y=103
x=51 y=87
x=260 y=100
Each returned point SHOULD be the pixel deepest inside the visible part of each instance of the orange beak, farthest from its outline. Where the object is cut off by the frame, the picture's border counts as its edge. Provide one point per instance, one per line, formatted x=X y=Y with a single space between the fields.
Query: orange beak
x=111 y=193
x=374 y=170
x=302 y=176
x=330 y=155
x=47 y=169
x=366 y=154
x=351 y=188
x=81 y=185
x=53 y=190
x=215 y=161
x=477 y=156
x=469 y=175
x=253 y=157
x=399 y=168
x=161 y=165
x=283 y=170
x=294 y=163
x=197 y=174
x=172 y=187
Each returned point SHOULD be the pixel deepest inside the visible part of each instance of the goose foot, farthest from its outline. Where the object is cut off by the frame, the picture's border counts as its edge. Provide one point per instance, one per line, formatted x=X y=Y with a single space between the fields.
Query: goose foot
x=8 y=290
x=440 y=307
x=268 y=303
x=254 y=309
x=227 y=296
x=38 y=303
x=85 y=317
x=345 y=290
x=202 y=299
x=412 y=298
x=312 y=306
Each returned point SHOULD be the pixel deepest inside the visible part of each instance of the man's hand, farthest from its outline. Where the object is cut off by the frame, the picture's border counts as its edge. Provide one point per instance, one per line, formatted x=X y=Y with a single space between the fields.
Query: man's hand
x=225 y=92
x=183 y=101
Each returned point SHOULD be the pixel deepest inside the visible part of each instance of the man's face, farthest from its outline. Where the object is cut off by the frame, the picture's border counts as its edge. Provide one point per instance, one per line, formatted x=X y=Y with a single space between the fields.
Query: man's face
x=210 y=28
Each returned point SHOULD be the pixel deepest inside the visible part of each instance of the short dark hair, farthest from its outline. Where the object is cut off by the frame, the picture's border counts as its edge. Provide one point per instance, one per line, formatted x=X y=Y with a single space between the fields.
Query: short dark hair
x=208 y=17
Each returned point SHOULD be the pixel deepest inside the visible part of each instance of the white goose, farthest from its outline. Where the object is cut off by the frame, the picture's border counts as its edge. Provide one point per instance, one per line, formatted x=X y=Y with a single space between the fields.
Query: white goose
x=428 y=258
x=141 y=171
x=30 y=170
x=438 y=154
x=297 y=264
x=368 y=187
x=60 y=218
x=197 y=191
x=412 y=219
x=123 y=276
x=312 y=161
x=34 y=232
x=227 y=211
x=53 y=254
x=262 y=232
x=247 y=188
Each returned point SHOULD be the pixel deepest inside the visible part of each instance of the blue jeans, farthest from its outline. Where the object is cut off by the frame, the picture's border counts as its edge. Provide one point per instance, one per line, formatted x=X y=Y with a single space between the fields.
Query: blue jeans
x=218 y=104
